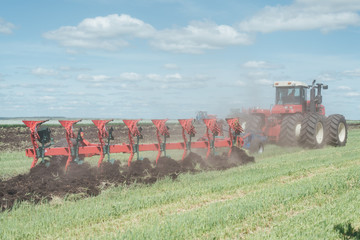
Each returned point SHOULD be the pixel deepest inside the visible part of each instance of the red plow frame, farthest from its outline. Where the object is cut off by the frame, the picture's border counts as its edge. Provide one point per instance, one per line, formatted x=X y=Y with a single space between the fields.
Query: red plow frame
x=78 y=148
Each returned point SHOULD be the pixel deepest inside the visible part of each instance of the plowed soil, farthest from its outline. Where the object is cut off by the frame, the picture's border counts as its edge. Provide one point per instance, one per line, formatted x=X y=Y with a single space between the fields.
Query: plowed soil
x=43 y=183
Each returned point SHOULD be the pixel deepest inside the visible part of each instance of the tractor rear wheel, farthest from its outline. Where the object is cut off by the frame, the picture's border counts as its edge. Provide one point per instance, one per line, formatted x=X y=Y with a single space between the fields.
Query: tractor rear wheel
x=337 y=130
x=313 y=132
x=290 y=130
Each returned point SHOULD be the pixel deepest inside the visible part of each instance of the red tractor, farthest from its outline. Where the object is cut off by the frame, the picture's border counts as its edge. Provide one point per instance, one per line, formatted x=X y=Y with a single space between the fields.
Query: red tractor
x=294 y=120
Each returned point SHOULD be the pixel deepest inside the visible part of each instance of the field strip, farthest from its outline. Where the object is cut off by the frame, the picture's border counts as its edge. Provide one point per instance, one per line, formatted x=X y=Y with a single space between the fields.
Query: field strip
x=174 y=208
x=263 y=222
x=252 y=202
x=260 y=225
x=328 y=212
x=187 y=204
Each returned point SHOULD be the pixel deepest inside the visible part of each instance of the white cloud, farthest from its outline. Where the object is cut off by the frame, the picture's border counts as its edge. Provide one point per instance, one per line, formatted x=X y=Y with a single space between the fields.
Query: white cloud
x=199 y=36
x=113 y=32
x=93 y=78
x=47 y=98
x=331 y=5
x=170 y=66
x=6 y=27
x=239 y=83
x=148 y=81
x=352 y=94
x=97 y=85
x=326 y=77
x=44 y=72
x=59 y=108
x=258 y=75
x=260 y=65
x=344 y=88
x=178 y=81
x=325 y=15
x=110 y=32
x=173 y=77
x=154 y=77
x=4 y=86
x=72 y=69
x=353 y=73
x=130 y=76
x=264 y=82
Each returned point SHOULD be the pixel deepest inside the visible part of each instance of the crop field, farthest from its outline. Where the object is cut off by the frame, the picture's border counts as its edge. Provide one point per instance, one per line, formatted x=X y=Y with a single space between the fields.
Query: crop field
x=287 y=193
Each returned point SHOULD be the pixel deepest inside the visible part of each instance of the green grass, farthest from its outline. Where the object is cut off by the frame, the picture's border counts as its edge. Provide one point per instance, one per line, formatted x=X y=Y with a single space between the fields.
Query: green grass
x=287 y=194
x=353 y=121
x=13 y=163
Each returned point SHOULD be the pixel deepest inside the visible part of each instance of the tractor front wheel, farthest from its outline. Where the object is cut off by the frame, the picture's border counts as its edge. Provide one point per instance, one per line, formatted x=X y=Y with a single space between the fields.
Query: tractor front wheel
x=313 y=132
x=251 y=123
x=337 y=130
x=256 y=146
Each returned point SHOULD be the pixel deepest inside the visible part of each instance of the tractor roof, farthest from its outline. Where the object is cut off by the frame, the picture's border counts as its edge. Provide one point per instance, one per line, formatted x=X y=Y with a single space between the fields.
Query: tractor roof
x=290 y=84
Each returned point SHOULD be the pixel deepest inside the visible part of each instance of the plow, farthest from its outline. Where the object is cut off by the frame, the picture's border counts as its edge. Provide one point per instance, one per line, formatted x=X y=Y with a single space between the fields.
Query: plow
x=78 y=147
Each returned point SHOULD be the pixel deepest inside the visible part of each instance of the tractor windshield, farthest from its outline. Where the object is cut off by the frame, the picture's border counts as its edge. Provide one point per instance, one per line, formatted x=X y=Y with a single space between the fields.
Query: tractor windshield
x=288 y=95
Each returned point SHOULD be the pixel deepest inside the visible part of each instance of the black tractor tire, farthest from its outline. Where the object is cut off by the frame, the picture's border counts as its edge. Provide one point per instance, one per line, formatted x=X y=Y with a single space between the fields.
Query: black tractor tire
x=337 y=130
x=256 y=146
x=313 y=132
x=255 y=124
x=290 y=130
x=251 y=123
x=243 y=119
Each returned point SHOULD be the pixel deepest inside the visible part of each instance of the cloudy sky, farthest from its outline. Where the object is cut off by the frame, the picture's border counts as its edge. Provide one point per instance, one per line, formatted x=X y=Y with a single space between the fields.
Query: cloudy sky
x=170 y=58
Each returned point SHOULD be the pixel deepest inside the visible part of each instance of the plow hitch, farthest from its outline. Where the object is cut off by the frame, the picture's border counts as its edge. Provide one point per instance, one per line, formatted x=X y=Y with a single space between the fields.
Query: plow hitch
x=104 y=134
x=73 y=148
x=38 y=135
x=161 y=130
x=134 y=131
x=187 y=128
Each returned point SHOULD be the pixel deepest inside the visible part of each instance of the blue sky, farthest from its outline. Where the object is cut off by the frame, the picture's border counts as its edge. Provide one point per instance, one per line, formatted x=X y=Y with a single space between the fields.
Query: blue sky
x=170 y=58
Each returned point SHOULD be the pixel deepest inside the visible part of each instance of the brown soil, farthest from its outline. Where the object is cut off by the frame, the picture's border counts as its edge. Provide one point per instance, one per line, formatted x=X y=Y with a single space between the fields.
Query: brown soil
x=42 y=183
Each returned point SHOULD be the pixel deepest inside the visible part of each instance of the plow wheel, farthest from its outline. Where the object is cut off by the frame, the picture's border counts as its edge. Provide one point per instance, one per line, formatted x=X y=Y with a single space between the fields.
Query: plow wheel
x=290 y=130
x=336 y=129
x=312 y=133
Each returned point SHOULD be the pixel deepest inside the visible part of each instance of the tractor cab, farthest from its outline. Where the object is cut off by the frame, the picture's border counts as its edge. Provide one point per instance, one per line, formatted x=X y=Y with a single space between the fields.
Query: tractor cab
x=291 y=97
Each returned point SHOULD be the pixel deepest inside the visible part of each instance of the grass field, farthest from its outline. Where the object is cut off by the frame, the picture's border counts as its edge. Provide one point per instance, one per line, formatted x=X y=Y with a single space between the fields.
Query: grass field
x=287 y=194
